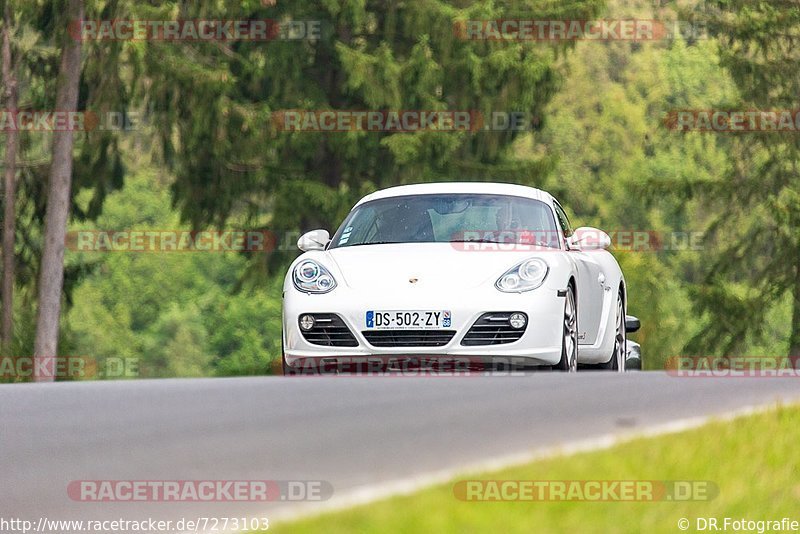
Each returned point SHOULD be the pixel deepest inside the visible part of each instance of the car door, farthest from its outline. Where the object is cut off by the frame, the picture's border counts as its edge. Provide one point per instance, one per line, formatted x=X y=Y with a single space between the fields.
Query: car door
x=591 y=283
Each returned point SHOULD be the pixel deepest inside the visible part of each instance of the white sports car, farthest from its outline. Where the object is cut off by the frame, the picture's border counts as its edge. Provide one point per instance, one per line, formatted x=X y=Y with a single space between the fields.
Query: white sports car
x=452 y=270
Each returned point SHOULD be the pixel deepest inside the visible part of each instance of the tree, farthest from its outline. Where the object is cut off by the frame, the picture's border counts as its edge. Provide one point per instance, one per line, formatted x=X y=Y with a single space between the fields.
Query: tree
x=757 y=261
x=618 y=168
x=213 y=103
x=51 y=276
x=35 y=47
x=177 y=314
x=10 y=182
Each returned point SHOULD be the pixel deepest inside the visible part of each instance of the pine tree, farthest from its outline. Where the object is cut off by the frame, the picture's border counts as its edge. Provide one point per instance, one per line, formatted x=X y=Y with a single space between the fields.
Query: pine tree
x=213 y=103
x=757 y=259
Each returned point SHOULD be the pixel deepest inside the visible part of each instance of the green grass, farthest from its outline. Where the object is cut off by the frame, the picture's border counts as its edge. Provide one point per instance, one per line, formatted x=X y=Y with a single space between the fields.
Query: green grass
x=754 y=460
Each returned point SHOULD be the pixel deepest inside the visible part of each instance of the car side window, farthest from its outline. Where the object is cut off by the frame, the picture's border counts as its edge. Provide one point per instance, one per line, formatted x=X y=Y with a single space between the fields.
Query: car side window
x=563 y=220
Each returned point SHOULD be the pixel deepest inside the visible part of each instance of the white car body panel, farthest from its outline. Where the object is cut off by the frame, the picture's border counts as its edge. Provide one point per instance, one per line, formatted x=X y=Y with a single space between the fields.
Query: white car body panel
x=377 y=277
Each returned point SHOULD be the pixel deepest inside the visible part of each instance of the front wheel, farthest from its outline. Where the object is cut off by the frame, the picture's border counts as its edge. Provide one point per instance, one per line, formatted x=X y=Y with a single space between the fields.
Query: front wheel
x=620 y=352
x=569 y=341
x=285 y=369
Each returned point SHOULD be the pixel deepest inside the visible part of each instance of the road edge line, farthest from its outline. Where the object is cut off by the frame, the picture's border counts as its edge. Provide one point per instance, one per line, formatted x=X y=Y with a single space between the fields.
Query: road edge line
x=370 y=493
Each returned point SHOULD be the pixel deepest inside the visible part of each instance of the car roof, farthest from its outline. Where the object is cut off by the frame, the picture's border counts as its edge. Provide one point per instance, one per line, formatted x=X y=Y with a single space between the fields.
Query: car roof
x=432 y=188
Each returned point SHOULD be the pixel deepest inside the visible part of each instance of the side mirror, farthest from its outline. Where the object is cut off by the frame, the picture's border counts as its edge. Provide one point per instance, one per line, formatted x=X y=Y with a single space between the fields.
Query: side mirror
x=588 y=238
x=313 y=240
x=632 y=324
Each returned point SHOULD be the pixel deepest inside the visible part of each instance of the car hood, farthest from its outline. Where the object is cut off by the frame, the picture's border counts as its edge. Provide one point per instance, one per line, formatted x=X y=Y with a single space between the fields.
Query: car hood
x=437 y=266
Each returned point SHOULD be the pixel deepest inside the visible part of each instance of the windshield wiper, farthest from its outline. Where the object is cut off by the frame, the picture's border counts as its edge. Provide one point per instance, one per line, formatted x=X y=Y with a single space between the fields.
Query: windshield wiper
x=378 y=243
x=538 y=244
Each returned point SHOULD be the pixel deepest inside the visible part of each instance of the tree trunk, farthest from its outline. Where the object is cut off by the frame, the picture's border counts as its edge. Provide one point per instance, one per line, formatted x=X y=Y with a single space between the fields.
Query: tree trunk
x=794 y=335
x=51 y=275
x=9 y=216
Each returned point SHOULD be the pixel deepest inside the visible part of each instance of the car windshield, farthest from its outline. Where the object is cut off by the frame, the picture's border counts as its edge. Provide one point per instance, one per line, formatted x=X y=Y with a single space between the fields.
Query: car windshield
x=448 y=218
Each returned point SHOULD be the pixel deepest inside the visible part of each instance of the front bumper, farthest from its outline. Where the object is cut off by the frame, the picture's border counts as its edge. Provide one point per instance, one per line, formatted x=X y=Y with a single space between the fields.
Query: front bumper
x=540 y=344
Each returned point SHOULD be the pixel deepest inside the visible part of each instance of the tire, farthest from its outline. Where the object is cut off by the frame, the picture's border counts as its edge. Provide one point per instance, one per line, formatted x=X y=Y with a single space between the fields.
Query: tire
x=620 y=351
x=569 y=337
x=286 y=370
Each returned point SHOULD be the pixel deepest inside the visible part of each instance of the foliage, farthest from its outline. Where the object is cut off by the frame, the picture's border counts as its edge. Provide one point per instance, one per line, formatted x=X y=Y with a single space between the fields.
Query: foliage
x=620 y=169
x=209 y=154
x=755 y=207
x=180 y=313
x=750 y=473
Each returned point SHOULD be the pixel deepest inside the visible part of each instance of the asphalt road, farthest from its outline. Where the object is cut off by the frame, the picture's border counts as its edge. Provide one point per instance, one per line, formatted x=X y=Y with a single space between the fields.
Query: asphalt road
x=349 y=431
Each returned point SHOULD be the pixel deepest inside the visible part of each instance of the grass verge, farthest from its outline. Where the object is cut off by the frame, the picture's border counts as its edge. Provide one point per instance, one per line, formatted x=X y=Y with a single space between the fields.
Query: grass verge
x=753 y=460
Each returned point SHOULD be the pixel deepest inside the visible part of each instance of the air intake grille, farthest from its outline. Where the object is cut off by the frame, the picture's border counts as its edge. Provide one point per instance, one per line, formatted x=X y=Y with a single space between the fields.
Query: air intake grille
x=329 y=330
x=409 y=338
x=492 y=329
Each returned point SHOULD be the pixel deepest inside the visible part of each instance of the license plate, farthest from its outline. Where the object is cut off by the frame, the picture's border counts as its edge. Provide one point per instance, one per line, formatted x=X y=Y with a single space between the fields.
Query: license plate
x=408 y=319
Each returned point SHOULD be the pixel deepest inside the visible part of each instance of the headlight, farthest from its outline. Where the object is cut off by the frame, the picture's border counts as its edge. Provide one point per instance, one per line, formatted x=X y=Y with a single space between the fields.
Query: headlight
x=311 y=277
x=525 y=276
